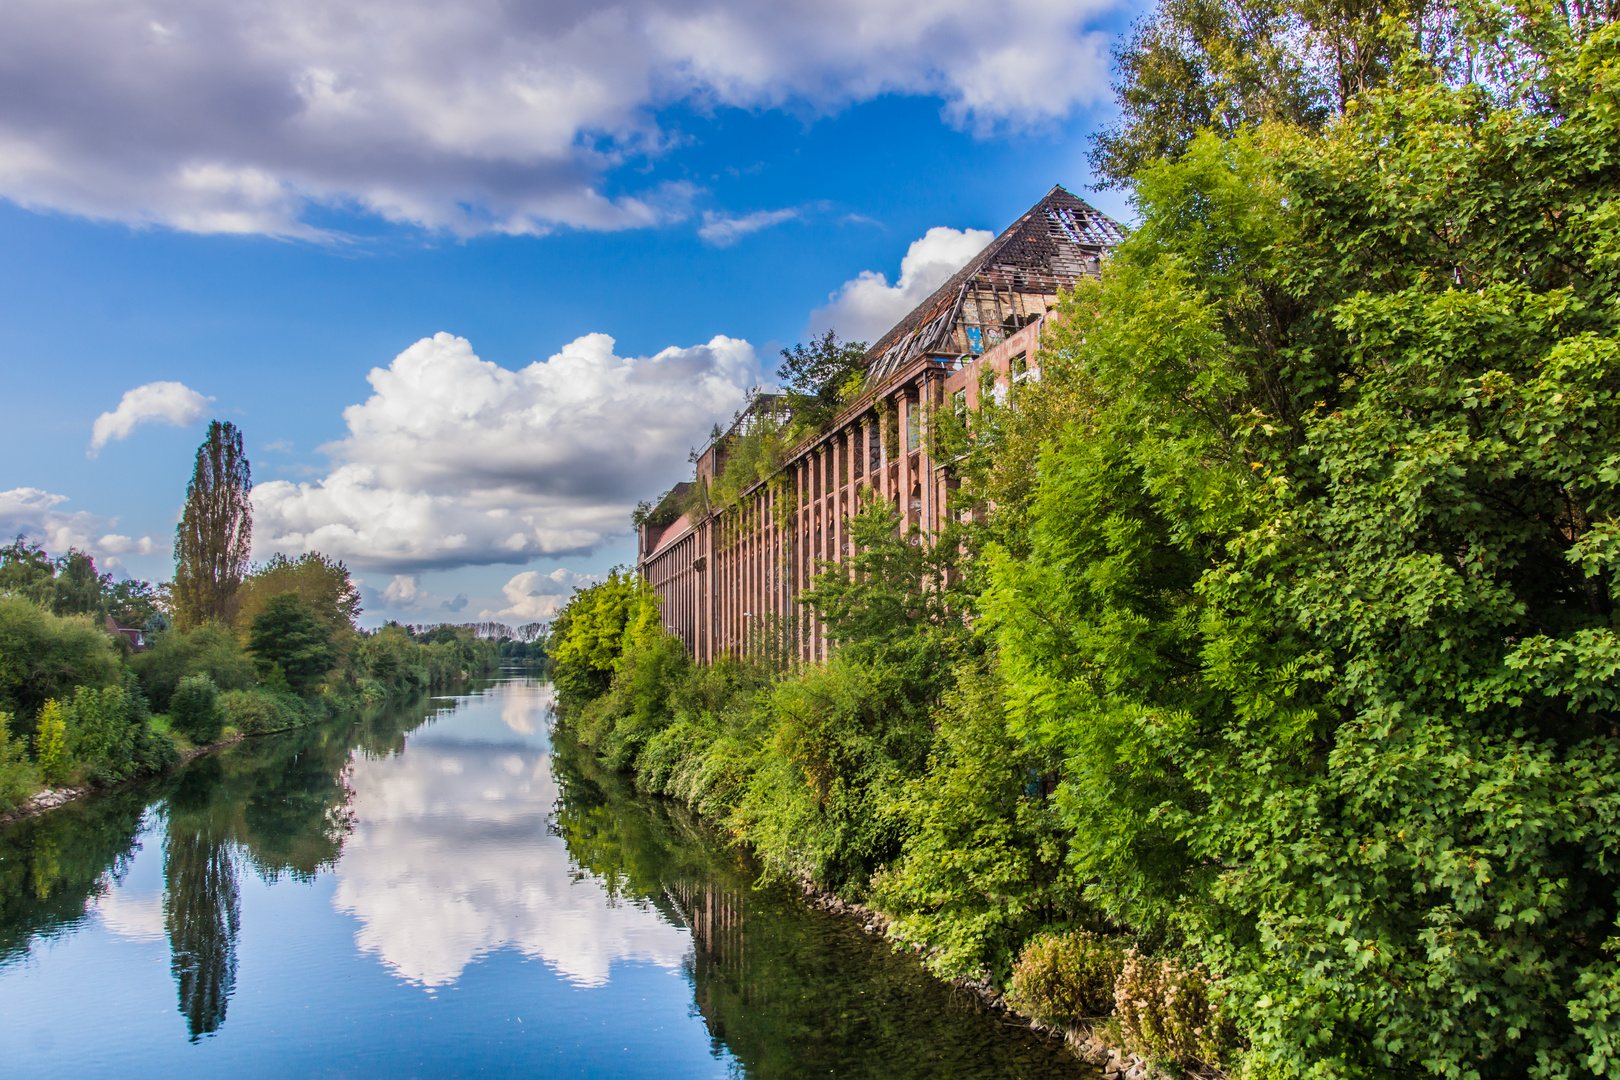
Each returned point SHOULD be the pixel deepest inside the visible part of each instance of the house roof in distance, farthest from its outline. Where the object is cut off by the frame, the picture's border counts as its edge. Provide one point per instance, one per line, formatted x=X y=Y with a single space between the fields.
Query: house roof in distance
x=1057 y=242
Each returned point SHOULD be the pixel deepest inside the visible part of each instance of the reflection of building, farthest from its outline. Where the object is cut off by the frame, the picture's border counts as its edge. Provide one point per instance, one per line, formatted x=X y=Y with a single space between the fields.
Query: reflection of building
x=714 y=915
x=720 y=969
x=723 y=574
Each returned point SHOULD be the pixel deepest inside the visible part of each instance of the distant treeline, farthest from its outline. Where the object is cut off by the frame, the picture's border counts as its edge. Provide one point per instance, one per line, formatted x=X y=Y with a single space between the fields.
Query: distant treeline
x=101 y=680
x=81 y=705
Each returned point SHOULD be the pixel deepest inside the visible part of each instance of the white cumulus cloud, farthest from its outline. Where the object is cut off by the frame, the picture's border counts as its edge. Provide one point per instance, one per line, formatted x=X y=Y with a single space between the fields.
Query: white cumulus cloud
x=116 y=544
x=532 y=596
x=403 y=591
x=171 y=402
x=476 y=116
x=456 y=461
x=865 y=307
x=34 y=513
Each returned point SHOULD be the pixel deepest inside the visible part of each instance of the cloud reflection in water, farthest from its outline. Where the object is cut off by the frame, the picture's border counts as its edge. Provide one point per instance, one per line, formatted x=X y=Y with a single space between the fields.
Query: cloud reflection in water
x=451 y=859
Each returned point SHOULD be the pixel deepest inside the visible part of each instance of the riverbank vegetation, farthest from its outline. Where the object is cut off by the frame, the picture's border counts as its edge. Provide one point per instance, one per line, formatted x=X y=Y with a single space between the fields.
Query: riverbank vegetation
x=1267 y=712
x=102 y=681
x=81 y=708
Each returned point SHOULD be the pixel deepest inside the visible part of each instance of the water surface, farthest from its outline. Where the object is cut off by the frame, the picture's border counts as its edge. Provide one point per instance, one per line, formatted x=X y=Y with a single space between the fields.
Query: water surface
x=436 y=891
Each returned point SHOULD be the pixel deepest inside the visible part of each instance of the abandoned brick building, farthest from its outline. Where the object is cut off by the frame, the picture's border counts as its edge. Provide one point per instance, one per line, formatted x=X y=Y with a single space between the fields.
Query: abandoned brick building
x=724 y=573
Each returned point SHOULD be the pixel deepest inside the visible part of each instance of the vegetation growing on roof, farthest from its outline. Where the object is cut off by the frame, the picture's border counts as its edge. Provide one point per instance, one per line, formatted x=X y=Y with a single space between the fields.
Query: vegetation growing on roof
x=820 y=378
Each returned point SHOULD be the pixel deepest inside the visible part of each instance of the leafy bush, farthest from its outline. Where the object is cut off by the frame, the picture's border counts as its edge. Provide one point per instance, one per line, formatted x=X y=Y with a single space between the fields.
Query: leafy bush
x=838 y=745
x=194 y=709
x=51 y=744
x=1169 y=1012
x=1065 y=978
x=44 y=656
x=983 y=867
x=16 y=775
x=105 y=736
x=253 y=712
x=103 y=726
x=210 y=649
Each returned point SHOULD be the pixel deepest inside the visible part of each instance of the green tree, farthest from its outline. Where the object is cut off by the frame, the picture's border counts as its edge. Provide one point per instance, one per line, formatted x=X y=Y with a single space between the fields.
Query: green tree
x=1228 y=66
x=194 y=707
x=27 y=571
x=78 y=589
x=44 y=656
x=135 y=603
x=1317 y=603
x=589 y=636
x=215 y=536
x=210 y=649
x=289 y=634
x=1195 y=65
x=820 y=377
x=66 y=585
x=322 y=583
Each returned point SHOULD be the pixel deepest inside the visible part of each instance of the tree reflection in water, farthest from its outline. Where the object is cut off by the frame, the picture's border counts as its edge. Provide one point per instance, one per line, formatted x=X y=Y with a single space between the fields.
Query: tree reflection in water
x=789 y=991
x=276 y=805
x=201 y=909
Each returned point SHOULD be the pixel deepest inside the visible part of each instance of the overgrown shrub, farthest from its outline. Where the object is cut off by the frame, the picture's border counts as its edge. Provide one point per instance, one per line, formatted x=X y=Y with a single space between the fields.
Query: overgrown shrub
x=44 y=656
x=210 y=649
x=16 y=774
x=108 y=737
x=984 y=866
x=256 y=711
x=1170 y=1012
x=194 y=709
x=1064 y=978
x=50 y=743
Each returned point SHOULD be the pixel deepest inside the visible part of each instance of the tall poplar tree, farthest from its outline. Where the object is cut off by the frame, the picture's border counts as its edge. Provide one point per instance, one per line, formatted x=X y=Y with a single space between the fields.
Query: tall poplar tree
x=215 y=536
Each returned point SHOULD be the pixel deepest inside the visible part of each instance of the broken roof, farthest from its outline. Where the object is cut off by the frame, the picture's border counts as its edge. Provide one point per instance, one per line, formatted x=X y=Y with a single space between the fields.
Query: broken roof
x=1053 y=245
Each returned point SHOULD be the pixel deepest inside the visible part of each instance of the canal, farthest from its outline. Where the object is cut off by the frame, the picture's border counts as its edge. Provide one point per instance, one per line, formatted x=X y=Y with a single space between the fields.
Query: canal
x=437 y=891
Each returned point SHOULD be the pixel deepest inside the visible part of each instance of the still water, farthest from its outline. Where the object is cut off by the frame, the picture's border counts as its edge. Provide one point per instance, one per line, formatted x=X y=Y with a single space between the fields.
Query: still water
x=434 y=891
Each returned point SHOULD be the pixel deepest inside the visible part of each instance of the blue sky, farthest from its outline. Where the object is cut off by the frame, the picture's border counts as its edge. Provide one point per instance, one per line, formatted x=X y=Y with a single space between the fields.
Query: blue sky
x=701 y=205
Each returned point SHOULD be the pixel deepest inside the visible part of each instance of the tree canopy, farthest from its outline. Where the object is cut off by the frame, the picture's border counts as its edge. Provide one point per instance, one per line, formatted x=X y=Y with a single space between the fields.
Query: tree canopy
x=820 y=377
x=289 y=635
x=214 y=539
